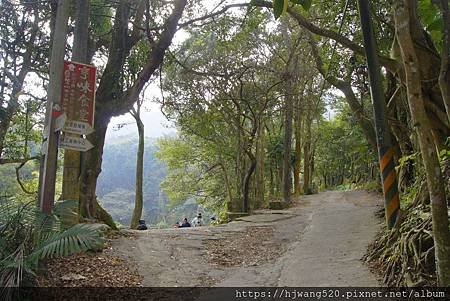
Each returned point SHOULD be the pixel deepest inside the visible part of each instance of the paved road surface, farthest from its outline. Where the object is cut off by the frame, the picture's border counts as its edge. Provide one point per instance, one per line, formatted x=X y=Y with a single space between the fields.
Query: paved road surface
x=321 y=240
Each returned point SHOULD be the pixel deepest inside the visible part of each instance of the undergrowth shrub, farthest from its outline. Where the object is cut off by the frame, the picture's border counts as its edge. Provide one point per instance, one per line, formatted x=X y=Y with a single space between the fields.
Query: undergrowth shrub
x=27 y=236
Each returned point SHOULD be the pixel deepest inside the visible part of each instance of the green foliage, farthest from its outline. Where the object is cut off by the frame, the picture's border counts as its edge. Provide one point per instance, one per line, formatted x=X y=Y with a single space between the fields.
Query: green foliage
x=403 y=160
x=193 y=173
x=346 y=187
x=78 y=238
x=432 y=19
x=409 y=195
x=373 y=185
x=101 y=13
x=28 y=236
x=306 y=4
x=136 y=61
x=279 y=7
x=275 y=149
x=444 y=154
x=342 y=156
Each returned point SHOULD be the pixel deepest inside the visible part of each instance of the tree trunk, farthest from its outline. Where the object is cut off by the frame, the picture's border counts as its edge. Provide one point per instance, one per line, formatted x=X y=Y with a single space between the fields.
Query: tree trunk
x=272 y=182
x=248 y=176
x=247 y=179
x=288 y=112
x=444 y=75
x=311 y=167
x=139 y=198
x=227 y=181
x=72 y=159
x=279 y=182
x=298 y=150
x=260 y=155
x=90 y=170
x=404 y=12
x=240 y=163
x=112 y=100
x=307 y=157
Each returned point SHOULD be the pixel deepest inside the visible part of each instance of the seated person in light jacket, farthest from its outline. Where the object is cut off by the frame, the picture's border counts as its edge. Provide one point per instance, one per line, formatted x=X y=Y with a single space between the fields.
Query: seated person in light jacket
x=197 y=221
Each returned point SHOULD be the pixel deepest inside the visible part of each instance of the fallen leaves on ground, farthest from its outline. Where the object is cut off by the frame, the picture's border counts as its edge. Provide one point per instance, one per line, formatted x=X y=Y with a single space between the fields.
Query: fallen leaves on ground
x=251 y=248
x=91 y=269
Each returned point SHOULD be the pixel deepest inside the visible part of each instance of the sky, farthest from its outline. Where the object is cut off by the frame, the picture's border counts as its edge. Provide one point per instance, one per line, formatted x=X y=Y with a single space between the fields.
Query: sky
x=155 y=123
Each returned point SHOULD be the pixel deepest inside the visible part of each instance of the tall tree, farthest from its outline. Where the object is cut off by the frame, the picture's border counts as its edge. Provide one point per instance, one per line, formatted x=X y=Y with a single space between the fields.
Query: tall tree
x=139 y=193
x=290 y=79
x=406 y=31
x=111 y=98
x=22 y=53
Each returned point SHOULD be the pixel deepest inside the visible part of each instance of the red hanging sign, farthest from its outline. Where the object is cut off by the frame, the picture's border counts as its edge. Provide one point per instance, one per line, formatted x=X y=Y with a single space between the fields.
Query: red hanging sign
x=78 y=92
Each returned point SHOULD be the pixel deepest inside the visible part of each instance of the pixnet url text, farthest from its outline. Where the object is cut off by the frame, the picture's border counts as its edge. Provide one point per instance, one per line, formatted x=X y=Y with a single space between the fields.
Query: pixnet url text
x=347 y=294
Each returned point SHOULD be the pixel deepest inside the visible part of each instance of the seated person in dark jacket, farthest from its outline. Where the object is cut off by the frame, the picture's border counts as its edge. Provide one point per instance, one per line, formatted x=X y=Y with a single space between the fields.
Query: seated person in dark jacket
x=185 y=223
x=142 y=225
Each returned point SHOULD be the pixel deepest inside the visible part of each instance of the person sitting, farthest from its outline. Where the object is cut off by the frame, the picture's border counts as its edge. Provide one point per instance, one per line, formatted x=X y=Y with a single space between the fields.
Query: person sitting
x=197 y=221
x=185 y=223
x=142 y=225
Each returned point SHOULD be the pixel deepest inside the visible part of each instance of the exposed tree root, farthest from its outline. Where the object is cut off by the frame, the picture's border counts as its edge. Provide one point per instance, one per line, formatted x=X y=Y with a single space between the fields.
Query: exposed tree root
x=405 y=255
x=105 y=217
x=101 y=216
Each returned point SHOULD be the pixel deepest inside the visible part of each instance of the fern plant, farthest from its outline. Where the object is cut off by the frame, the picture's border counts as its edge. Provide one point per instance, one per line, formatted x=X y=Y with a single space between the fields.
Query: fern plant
x=27 y=236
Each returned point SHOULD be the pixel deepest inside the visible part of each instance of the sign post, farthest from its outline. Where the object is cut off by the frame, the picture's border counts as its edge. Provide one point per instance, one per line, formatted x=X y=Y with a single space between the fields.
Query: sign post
x=47 y=175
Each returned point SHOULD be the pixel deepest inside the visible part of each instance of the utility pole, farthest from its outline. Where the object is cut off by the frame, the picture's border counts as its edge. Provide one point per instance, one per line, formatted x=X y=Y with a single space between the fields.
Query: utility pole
x=72 y=158
x=385 y=149
x=47 y=177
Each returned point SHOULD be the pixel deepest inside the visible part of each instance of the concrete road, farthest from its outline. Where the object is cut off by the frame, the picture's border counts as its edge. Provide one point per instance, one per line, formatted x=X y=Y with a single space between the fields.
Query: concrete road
x=321 y=239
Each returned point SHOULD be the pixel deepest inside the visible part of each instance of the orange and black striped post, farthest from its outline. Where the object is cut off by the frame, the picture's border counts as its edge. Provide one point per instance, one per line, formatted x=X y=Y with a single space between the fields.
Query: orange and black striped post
x=390 y=187
x=385 y=149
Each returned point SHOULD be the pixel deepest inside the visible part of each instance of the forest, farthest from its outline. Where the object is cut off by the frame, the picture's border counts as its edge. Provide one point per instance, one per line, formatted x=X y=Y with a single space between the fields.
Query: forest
x=272 y=101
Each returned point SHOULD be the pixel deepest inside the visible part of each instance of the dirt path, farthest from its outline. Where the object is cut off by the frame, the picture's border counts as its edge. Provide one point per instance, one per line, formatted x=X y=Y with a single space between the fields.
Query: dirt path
x=319 y=242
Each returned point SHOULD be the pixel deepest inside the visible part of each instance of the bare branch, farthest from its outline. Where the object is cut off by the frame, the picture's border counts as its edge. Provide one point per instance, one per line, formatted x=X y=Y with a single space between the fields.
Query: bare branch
x=19 y=181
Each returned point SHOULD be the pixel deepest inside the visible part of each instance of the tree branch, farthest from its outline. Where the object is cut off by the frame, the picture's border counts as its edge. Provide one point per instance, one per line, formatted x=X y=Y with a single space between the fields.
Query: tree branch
x=155 y=58
x=21 y=160
x=388 y=63
x=19 y=181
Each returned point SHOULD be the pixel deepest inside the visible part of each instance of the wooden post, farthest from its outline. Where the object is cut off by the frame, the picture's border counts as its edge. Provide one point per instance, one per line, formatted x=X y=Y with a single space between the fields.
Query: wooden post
x=385 y=149
x=72 y=159
x=50 y=146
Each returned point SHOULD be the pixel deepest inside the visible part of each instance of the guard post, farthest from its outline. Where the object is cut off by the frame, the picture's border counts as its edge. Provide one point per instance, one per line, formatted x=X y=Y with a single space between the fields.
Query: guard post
x=384 y=144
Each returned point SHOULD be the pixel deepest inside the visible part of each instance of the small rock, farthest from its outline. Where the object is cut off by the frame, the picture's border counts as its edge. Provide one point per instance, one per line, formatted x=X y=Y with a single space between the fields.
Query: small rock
x=72 y=276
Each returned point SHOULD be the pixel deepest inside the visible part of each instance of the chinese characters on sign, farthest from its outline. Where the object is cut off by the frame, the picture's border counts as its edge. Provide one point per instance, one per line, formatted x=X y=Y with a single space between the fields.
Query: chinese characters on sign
x=78 y=104
x=75 y=143
x=78 y=127
x=78 y=92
